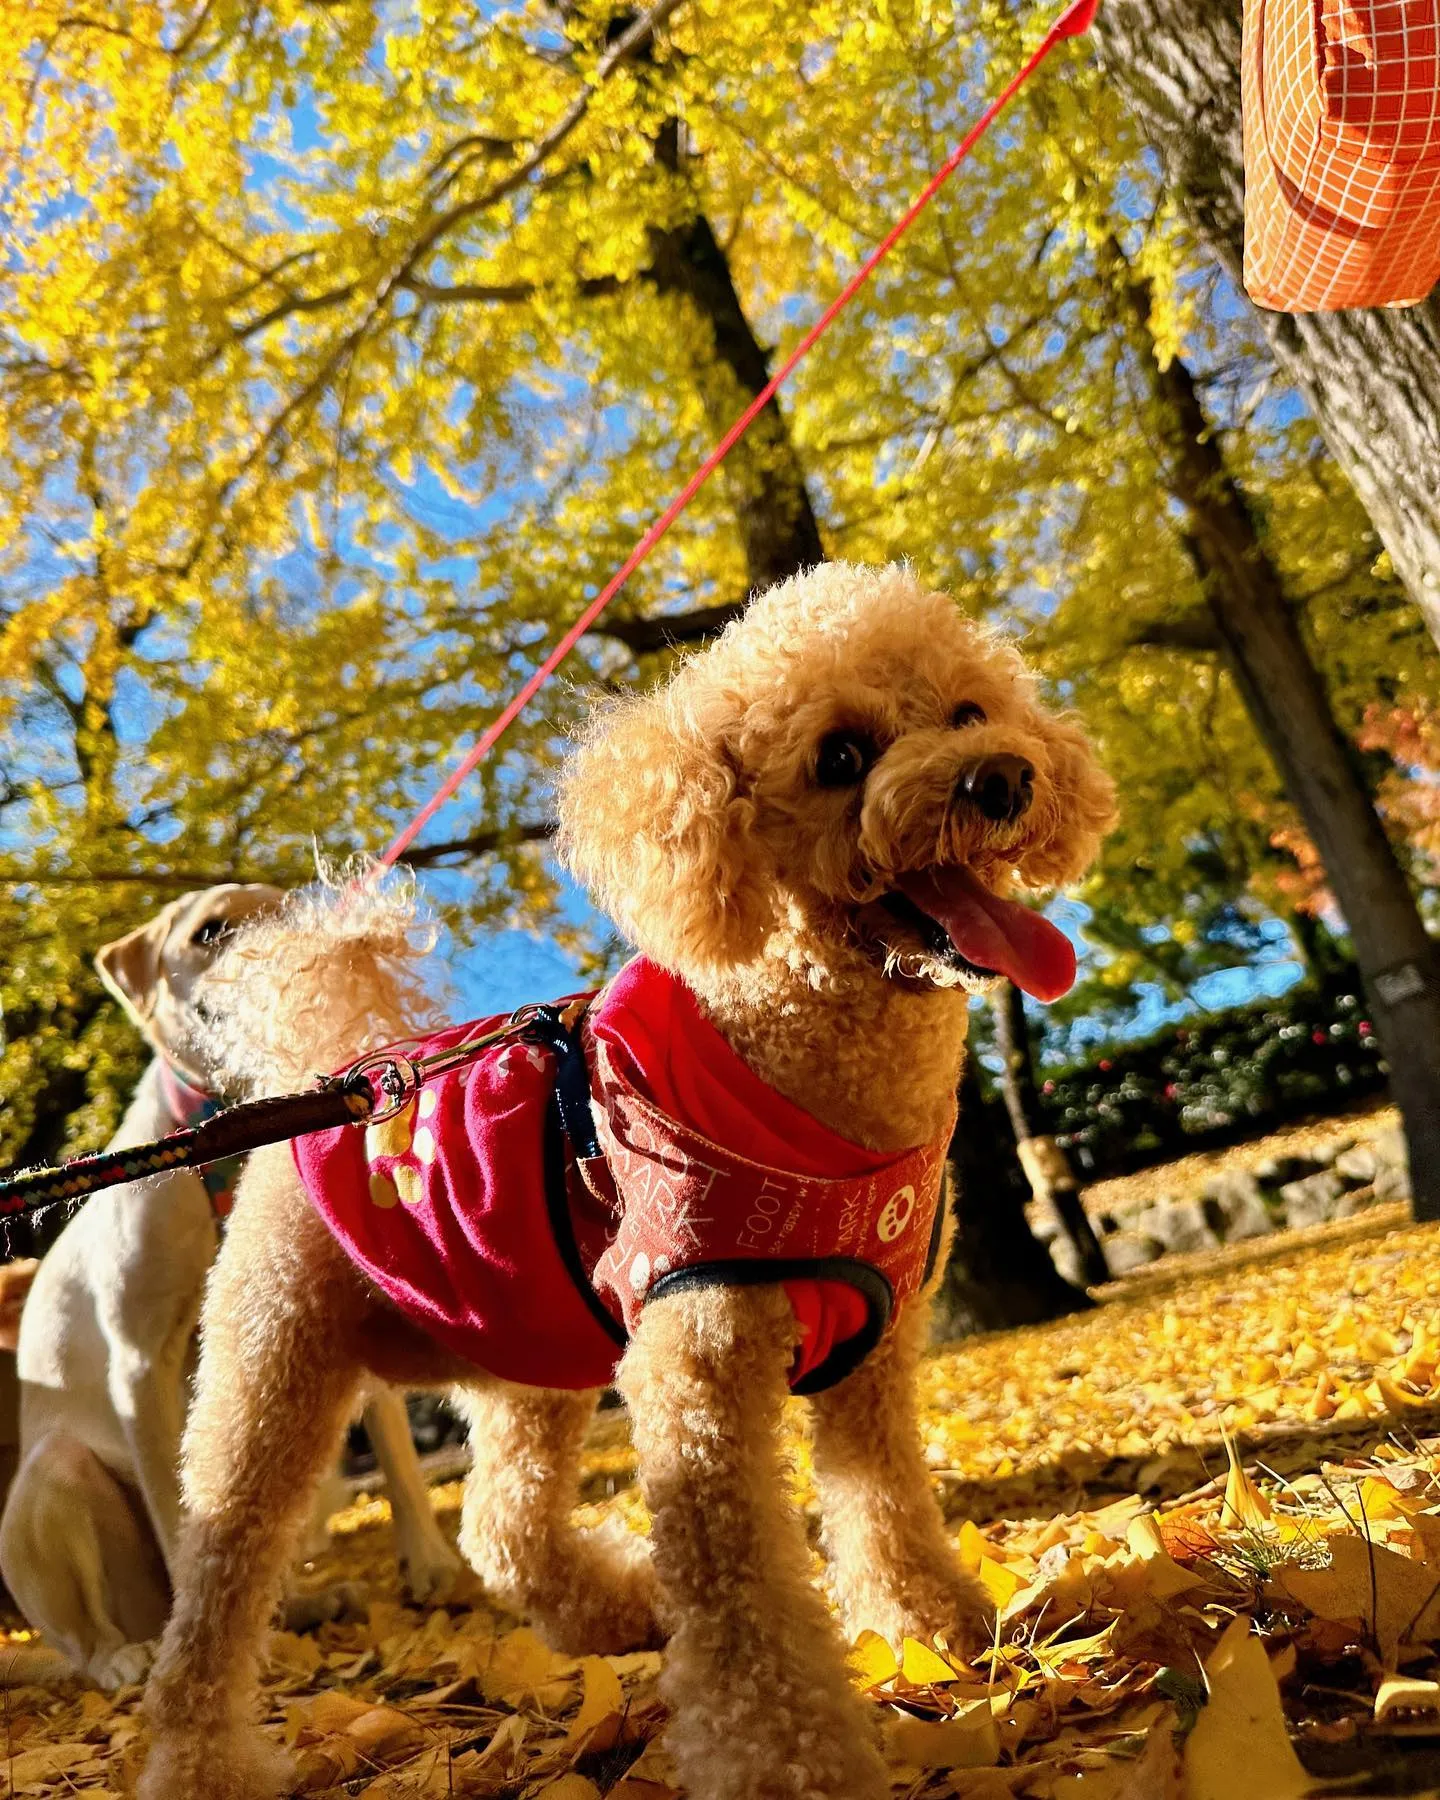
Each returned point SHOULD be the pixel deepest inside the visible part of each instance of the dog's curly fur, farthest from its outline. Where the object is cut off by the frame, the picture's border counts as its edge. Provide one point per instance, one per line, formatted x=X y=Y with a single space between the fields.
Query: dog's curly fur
x=694 y=817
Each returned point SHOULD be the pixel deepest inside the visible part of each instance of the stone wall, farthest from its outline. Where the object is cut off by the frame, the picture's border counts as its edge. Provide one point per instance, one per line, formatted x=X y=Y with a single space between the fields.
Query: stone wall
x=1331 y=1180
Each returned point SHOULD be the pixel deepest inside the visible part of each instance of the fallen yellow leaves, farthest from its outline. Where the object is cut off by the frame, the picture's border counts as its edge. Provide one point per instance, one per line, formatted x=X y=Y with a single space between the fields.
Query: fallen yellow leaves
x=967 y=1740
x=1241 y=1727
x=1392 y=1598
x=602 y=1707
x=1140 y=1652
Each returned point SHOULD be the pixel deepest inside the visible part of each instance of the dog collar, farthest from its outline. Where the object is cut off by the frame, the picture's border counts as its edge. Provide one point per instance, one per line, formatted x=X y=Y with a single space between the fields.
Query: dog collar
x=191 y=1105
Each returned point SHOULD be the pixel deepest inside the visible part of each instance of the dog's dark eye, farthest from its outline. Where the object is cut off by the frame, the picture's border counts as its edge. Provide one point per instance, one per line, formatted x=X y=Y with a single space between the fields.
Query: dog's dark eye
x=844 y=759
x=211 y=931
x=967 y=713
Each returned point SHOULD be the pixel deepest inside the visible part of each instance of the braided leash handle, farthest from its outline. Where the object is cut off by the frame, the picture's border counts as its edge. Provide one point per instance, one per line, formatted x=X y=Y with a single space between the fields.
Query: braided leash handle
x=34 y=1201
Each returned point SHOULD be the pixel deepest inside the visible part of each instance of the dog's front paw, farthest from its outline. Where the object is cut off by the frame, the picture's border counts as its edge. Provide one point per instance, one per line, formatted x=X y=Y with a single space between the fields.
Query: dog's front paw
x=206 y=1765
x=956 y=1607
x=126 y=1667
x=786 y=1726
x=429 y=1571
x=961 y=1612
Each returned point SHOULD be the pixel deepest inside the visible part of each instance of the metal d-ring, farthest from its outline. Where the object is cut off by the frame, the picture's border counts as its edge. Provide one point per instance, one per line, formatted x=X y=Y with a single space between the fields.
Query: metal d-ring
x=393 y=1075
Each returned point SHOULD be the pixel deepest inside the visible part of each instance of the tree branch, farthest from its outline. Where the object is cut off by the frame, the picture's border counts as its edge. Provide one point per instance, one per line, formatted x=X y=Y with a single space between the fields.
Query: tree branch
x=1193 y=631
x=643 y=637
x=479 y=843
x=422 y=856
x=498 y=293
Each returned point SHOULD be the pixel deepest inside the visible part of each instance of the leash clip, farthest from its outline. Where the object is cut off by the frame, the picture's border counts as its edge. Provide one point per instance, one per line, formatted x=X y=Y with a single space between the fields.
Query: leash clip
x=390 y=1075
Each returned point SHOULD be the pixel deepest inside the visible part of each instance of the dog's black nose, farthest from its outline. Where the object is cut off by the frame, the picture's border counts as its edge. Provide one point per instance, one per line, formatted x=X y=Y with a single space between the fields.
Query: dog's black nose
x=1002 y=787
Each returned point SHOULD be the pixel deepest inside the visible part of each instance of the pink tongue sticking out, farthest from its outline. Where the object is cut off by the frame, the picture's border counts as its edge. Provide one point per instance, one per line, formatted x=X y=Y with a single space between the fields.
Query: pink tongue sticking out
x=993 y=933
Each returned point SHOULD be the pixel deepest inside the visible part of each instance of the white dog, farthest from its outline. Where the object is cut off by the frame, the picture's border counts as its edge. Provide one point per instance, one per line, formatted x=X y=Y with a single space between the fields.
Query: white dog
x=106 y=1343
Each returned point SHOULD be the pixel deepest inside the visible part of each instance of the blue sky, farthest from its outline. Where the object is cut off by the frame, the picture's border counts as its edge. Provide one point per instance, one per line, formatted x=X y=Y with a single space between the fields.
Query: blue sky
x=500 y=970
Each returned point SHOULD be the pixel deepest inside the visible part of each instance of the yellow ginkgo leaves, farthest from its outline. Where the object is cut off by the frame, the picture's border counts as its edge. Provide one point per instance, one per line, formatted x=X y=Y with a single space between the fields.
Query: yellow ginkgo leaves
x=1239 y=1742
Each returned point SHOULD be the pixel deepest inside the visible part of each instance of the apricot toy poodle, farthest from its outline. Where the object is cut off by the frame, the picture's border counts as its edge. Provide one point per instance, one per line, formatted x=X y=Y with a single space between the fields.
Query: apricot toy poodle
x=717 y=1180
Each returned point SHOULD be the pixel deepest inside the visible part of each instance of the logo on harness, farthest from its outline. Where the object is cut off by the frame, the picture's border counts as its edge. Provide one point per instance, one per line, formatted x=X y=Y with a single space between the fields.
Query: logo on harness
x=896 y=1216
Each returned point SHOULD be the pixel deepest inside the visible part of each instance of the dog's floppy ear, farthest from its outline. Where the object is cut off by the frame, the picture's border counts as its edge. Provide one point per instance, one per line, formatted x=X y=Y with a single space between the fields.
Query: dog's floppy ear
x=130 y=967
x=1082 y=804
x=655 y=821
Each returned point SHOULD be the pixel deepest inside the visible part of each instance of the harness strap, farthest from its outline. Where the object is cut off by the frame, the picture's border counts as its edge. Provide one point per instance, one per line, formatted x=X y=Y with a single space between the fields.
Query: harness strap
x=873 y=1287
x=558 y=1029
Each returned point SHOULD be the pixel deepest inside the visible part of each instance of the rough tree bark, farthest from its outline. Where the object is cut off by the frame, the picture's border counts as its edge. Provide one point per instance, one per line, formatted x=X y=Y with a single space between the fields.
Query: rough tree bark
x=1047 y=1168
x=1371 y=378
x=770 y=499
x=1285 y=697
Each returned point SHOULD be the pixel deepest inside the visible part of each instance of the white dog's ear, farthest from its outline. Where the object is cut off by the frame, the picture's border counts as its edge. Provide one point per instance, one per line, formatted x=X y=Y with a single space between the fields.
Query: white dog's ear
x=656 y=822
x=130 y=967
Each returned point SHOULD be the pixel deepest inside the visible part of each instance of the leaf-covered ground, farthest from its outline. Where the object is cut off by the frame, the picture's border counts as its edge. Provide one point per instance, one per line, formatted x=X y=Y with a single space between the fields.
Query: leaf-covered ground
x=1176 y=1622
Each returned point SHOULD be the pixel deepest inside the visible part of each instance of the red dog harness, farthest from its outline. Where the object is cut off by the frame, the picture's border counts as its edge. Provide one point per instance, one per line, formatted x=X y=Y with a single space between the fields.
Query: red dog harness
x=524 y=1207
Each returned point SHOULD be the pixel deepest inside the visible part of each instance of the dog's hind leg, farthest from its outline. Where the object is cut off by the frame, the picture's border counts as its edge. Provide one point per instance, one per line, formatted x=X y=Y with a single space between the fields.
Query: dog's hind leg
x=586 y=1590
x=893 y=1566
x=278 y=1373
x=760 y=1698
x=428 y=1566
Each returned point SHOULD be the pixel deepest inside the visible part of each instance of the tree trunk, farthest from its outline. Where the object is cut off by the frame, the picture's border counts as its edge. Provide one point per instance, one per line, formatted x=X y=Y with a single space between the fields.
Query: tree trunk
x=771 y=502
x=1371 y=378
x=1046 y=1166
x=1286 y=699
x=999 y=1274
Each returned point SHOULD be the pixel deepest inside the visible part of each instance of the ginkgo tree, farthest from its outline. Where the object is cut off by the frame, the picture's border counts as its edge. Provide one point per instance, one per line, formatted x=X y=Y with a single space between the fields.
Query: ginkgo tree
x=346 y=349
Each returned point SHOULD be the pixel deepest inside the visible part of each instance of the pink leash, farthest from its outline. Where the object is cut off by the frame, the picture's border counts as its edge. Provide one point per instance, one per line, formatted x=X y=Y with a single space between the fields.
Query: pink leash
x=1073 y=22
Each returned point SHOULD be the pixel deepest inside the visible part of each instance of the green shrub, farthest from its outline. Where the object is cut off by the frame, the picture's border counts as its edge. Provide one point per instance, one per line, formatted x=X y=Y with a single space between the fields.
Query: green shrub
x=1214 y=1081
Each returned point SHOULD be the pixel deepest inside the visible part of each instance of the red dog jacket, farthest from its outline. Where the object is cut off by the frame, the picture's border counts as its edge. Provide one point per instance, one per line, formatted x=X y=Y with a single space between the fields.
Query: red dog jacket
x=472 y=1211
